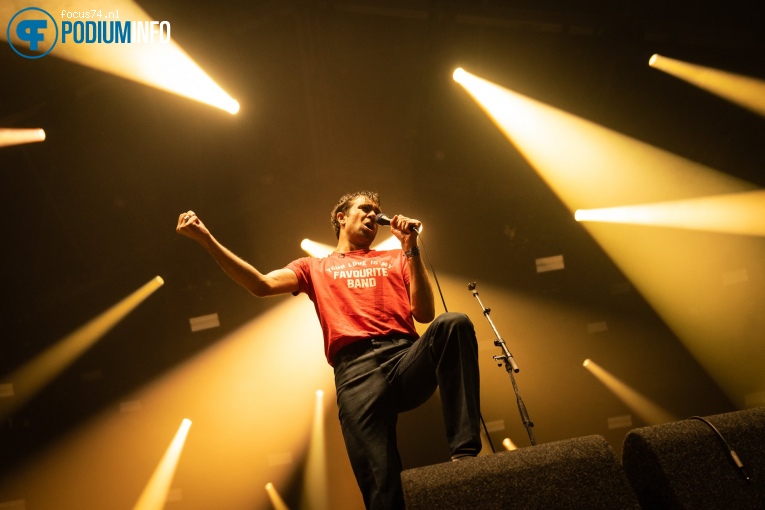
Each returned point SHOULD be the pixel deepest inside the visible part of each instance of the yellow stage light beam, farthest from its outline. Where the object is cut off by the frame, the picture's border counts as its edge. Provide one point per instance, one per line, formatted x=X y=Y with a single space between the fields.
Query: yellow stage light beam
x=319 y=250
x=589 y=166
x=508 y=444
x=276 y=499
x=29 y=379
x=650 y=412
x=389 y=243
x=258 y=382
x=154 y=495
x=10 y=136
x=160 y=63
x=255 y=382
x=315 y=249
x=738 y=213
x=314 y=493
x=696 y=281
x=742 y=90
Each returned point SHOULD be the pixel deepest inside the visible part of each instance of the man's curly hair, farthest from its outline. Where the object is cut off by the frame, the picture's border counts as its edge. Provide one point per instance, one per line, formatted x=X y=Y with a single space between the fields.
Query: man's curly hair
x=344 y=204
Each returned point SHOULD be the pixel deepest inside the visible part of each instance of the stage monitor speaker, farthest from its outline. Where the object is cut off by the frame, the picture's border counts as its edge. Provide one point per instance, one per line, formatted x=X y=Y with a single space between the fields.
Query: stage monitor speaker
x=686 y=464
x=581 y=473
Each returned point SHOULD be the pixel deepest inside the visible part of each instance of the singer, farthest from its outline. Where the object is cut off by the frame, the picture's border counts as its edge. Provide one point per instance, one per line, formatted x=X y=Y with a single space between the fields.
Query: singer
x=366 y=302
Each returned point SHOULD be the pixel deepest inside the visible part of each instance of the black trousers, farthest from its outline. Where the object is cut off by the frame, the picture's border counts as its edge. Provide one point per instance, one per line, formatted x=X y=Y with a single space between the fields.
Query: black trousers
x=377 y=379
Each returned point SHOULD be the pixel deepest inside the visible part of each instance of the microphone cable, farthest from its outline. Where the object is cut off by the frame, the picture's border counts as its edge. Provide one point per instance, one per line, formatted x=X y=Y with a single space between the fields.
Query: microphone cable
x=433 y=269
x=443 y=301
x=731 y=452
x=384 y=219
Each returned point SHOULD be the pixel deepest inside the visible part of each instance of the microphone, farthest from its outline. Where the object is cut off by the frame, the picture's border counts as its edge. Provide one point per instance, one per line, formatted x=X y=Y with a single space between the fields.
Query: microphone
x=384 y=219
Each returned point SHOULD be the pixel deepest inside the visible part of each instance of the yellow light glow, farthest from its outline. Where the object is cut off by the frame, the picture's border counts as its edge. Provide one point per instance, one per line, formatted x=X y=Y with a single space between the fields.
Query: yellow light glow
x=742 y=90
x=32 y=377
x=154 y=494
x=314 y=494
x=276 y=499
x=508 y=444
x=320 y=250
x=587 y=165
x=458 y=75
x=650 y=412
x=388 y=243
x=163 y=65
x=739 y=213
x=314 y=249
x=586 y=363
x=695 y=281
x=258 y=381
x=20 y=136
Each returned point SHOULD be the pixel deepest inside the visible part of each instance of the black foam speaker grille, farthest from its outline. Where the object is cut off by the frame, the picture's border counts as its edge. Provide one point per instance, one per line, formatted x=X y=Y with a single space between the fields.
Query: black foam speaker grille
x=581 y=473
x=685 y=464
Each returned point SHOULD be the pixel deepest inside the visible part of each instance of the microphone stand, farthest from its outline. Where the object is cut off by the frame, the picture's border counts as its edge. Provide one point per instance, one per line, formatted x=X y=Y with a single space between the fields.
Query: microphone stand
x=509 y=363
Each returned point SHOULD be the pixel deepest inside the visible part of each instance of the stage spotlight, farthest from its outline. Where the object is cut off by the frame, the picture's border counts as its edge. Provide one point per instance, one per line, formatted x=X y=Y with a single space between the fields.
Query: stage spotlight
x=276 y=499
x=389 y=243
x=314 y=493
x=508 y=444
x=591 y=167
x=650 y=412
x=587 y=165
x=20 y=136
x=29 y=379
x=320 y=250
x=314 y=249
x=745 y=91
x=139 y=48
x=229 y=390
x=155 y=493
x=738 y=213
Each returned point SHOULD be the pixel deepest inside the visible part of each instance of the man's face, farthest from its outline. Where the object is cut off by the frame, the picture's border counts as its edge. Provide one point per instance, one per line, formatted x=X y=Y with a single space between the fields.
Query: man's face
x=360 y=221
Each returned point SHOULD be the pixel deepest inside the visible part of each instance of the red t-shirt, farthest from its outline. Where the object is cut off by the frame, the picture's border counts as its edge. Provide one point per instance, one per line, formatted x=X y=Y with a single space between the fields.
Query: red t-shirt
x=357 y=295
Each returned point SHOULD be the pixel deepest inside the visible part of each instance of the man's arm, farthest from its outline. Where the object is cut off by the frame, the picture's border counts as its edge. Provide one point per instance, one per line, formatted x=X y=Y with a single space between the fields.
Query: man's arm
x=421 y=297
x=279 y=281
